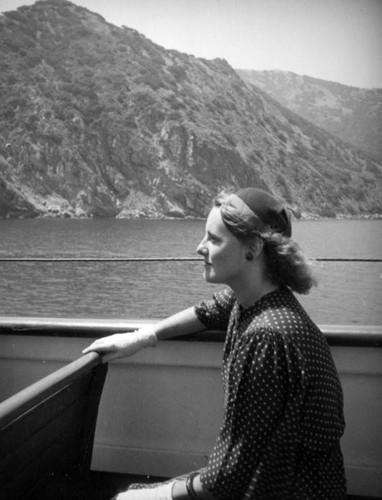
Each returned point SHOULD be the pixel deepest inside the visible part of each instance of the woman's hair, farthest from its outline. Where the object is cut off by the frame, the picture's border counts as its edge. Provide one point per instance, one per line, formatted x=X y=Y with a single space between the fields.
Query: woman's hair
x=285 y=261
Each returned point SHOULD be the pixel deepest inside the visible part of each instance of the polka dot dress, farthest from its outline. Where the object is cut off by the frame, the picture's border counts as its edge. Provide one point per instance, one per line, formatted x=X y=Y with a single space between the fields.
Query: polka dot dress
x=283 y=416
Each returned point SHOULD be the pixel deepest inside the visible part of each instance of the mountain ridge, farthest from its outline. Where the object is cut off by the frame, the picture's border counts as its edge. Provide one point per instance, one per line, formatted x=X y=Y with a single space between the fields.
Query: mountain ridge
x=98 y=121
x=352 y=114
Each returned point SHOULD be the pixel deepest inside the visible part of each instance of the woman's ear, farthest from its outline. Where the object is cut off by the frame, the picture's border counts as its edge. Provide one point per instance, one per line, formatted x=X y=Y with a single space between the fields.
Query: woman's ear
x=254 y=249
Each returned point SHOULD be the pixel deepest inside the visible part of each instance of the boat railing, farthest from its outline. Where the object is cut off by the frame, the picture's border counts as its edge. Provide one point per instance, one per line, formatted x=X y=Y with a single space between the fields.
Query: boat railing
x=336 y=335
x=47 y=432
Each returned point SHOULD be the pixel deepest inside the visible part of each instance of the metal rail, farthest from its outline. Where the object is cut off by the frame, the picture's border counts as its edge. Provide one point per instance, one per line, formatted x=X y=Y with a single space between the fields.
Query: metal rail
x=337 y=335
x=150 y=259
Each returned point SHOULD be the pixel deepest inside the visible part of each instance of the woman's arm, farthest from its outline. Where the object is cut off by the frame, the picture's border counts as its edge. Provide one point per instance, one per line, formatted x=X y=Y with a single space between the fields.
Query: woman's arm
x=127 y=344
x=175 y=490
x=181 y=323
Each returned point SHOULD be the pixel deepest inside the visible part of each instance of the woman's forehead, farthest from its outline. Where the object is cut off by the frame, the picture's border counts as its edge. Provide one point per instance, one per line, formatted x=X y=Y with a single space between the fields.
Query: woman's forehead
x=215 y=222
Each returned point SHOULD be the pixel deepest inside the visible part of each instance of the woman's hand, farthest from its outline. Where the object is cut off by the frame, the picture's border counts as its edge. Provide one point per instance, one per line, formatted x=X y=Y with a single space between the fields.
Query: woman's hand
x=123 y=344
x=162 y=492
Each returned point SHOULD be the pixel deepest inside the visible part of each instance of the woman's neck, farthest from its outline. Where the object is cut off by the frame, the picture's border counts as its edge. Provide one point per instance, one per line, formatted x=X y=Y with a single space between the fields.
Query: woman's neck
x=253 y=282
x=253 y=285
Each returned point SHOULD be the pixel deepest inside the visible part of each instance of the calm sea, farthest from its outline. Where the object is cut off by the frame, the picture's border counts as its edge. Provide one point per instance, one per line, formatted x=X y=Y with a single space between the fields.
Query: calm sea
x=348 y=292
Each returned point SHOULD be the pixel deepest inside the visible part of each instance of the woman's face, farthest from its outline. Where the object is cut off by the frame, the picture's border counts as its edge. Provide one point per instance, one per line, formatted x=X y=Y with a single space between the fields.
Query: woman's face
x=224 y=254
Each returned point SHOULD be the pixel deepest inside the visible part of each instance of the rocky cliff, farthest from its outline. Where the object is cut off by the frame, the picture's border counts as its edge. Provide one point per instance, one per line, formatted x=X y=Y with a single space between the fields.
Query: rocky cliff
x=97 y=120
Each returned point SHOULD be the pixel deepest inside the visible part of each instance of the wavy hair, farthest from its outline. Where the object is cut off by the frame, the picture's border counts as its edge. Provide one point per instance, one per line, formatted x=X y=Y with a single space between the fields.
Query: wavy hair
x=285 y=261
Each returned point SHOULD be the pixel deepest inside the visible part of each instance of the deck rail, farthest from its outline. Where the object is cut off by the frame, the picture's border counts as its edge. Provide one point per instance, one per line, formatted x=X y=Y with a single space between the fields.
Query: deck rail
x=47 y=431
x=337 y=335
x=156 y=259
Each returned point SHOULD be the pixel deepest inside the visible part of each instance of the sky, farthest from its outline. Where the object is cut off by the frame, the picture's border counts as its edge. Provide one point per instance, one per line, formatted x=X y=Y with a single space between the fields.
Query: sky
x=335 y=40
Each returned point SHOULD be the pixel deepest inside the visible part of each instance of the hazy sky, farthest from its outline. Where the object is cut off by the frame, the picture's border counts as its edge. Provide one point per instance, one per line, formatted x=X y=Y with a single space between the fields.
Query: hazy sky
x=337 y=40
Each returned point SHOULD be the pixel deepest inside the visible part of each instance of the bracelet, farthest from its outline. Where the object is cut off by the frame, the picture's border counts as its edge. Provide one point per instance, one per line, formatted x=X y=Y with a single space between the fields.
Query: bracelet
x=190 y=486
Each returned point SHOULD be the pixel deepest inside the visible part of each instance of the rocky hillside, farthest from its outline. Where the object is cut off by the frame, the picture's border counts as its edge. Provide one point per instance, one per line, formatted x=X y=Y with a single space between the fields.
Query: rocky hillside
x=97 y=120
x=353 y=114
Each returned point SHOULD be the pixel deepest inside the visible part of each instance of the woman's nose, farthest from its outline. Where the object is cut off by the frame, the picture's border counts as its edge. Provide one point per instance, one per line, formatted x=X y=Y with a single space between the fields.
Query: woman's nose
x=201 y=249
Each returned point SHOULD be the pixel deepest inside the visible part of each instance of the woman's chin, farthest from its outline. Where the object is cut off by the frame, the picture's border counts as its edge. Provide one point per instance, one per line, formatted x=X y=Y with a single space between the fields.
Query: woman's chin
x=209 y=276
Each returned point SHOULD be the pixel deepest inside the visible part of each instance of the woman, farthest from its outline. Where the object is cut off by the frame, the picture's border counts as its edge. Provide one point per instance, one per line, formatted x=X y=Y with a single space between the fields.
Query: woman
x=283 y=418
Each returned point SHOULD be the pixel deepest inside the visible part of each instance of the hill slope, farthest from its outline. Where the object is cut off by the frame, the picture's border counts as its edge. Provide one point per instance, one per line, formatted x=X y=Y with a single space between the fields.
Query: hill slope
x=354 y=115
x=97 y=120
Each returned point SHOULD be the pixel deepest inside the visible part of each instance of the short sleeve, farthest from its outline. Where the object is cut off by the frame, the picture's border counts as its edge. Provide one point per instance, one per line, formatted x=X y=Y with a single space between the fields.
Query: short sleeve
x=215 y=313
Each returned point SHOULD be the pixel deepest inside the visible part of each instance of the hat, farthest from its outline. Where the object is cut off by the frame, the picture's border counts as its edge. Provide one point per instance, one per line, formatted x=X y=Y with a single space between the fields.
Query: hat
x=262 y=209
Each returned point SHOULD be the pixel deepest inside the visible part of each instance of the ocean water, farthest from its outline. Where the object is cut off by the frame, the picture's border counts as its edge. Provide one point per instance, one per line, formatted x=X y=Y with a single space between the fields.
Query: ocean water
x=348 y=292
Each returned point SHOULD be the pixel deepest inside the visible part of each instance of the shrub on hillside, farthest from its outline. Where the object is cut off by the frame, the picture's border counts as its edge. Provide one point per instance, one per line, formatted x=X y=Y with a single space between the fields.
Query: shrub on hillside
x=178 y=72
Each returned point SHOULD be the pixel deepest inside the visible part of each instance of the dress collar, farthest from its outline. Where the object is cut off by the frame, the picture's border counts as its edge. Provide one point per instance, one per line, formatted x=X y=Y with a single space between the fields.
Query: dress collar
x=259 y=304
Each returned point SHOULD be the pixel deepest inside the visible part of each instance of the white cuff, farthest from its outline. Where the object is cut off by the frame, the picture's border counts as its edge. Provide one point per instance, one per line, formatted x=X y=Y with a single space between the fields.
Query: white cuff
x=164 y=492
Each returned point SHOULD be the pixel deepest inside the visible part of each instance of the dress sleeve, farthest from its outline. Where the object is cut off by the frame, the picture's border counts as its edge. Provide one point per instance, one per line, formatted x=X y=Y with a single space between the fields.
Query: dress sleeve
x=266 y=373
x=215 y=313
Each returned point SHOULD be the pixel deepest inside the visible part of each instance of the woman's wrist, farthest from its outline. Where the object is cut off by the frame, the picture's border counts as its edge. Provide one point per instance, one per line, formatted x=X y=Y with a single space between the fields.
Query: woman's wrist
x=147 y=336
x=190 y=489
x=190 y=486
x=179 y=491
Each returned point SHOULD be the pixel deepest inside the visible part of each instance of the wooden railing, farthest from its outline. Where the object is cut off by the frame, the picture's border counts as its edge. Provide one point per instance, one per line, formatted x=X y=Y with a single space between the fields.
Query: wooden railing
x=47 y=432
